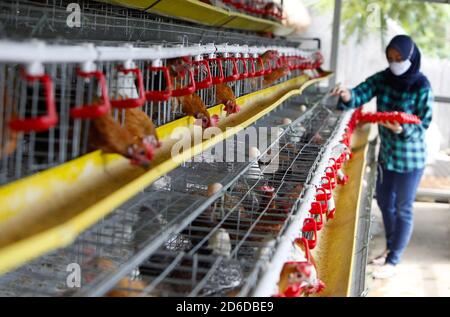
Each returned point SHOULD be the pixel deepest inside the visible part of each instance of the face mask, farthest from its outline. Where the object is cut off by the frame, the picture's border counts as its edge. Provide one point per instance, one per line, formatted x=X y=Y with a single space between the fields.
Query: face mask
x=400 y=68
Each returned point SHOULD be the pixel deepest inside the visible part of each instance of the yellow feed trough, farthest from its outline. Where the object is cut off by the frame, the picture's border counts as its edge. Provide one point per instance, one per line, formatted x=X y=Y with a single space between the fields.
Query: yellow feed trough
x=336 y=248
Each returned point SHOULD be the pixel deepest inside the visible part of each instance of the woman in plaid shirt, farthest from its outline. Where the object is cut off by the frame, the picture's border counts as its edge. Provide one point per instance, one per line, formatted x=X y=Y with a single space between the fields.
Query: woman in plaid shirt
x=402 y=155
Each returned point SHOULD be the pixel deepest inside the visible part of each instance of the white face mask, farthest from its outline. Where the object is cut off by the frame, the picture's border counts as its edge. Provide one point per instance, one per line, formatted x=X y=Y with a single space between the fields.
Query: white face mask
x=400 y=68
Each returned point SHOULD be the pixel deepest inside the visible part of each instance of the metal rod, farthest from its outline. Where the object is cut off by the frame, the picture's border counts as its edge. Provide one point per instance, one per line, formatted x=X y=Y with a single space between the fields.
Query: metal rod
x=335 y=40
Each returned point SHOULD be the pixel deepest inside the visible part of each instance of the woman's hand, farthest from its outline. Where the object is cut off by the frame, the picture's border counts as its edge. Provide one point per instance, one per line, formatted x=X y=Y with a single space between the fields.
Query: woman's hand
x=393 y=126
x=343 y=92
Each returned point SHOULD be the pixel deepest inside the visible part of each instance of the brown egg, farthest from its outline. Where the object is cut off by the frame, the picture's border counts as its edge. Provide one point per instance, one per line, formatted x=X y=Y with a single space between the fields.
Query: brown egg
x=214 y=188
x=286 y=121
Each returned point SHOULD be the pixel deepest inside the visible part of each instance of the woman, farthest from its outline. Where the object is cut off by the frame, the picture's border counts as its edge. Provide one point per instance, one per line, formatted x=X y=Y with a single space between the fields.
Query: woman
x=402 y=155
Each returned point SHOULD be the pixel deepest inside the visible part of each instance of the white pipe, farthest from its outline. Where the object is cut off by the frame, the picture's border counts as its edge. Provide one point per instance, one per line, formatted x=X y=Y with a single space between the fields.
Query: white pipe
x=267 y=285
x=107 y=53
x=230 y=49
x=39 y=52
x=290 y=51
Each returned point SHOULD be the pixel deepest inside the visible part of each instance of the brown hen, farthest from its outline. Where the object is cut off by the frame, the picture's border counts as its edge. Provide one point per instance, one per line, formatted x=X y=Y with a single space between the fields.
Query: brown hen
x=225 y=95
x=140 y=126
x=8 y=137
x=125 y=287
x=109 y=136
x=269 y=79
x=179 y=66
x=193 y=106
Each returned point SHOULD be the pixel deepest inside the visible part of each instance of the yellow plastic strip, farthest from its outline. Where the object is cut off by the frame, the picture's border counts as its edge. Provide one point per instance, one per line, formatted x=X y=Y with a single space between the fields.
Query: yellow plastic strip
x=192 y=10
x=49 y=209
x=337 y=240
x=134 y=4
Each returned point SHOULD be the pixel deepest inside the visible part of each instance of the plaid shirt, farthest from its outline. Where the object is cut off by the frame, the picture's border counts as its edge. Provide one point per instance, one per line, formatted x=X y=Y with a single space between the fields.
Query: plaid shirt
x=406 y=151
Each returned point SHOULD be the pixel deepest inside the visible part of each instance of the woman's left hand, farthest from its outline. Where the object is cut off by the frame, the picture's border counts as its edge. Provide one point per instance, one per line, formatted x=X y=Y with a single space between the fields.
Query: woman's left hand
x=394 y=126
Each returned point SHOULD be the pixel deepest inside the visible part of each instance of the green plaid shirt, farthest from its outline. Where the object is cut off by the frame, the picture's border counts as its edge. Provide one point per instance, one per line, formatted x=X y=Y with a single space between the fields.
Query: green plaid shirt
x=406 y=151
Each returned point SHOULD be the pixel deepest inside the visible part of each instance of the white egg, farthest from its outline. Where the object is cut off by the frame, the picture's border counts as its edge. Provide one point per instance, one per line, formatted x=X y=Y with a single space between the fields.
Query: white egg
x=303 y=108
x=253 y=152
x=214 y=188
x=220 y=243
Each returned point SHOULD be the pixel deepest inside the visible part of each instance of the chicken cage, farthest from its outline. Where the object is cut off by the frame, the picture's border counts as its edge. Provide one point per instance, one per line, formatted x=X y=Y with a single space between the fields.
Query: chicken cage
x=46 y=117
x=173 y=236
x=172 y=240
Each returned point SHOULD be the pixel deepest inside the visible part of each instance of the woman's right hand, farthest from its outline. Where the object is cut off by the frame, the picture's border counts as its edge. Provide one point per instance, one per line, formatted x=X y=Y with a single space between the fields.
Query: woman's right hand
x=342 y=92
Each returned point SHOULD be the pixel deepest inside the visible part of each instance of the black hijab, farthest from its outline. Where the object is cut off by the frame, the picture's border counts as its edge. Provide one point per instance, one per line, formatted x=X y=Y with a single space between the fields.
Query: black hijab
x=412 y=79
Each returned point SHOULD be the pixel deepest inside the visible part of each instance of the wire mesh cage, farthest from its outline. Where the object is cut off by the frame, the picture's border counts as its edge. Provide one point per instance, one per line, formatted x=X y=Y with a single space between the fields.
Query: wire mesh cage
x=173 y=239
x=46 y=119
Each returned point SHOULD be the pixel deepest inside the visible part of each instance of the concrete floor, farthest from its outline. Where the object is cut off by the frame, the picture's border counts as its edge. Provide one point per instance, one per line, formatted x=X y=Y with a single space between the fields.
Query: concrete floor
x=425 y=269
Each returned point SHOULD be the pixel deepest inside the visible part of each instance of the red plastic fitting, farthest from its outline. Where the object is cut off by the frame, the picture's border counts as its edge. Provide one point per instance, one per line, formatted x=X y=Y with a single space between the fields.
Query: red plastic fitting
x=87 y=111
x=400 y=117
x=304 y=241
x=216 y=79
x=41 y=123
x=207 y=82
x=188 y=89
x=291 y=61
x=336 y=163
x=261 y=71
x=309 y=225
x=243 y=61
x=131 y=102
x=322 y=197
x=331 y=174
x=235 y=73
x=342 y=179
x=251 y=69
x=298 y=62
x=268 y=67
x=329 y=191
x=316 y=210
x=160 y=95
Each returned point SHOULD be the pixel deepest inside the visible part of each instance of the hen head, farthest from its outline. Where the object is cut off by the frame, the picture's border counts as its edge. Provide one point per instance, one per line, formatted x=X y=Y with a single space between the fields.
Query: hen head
x=267 y=191
x=140 y=154
x=286 y=70
x=181 y=65
x=232 y=107
x=305 y=271
x=272 y=54
x=208 y=121
x=318 y=287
